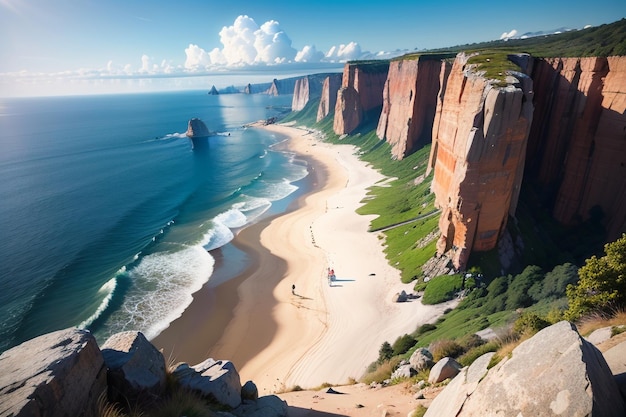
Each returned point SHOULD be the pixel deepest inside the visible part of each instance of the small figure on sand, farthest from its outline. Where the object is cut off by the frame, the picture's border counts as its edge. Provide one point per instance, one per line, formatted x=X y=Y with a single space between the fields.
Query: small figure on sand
x=293 y=289
x=331 y=276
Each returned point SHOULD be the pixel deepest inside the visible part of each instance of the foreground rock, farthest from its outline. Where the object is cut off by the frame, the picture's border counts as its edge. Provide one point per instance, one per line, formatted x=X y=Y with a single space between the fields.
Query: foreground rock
x=556 y=372
x=136 y=369
x=218 y=380
x=57 y=374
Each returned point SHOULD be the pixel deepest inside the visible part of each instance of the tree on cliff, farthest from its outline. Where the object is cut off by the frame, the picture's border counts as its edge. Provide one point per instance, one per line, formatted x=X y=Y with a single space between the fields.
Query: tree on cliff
x=602 y=282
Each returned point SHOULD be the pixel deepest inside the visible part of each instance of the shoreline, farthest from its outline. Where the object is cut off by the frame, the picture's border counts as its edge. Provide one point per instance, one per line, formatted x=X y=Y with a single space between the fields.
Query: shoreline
x=322 y=333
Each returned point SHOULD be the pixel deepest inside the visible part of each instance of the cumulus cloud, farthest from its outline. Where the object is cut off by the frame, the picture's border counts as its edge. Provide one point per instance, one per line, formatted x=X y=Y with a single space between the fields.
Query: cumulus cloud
x=309 y=54
x=196 y=57
x=508 y=35
x=344 y=52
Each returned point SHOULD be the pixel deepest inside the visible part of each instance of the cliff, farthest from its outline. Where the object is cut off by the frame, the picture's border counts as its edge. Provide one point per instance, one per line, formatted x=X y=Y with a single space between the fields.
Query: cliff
x=577 y=147
x=279 y=87
x=409 y=103
x=305 y=89
x=328 y=96
x=478 y=152
x=361 y=91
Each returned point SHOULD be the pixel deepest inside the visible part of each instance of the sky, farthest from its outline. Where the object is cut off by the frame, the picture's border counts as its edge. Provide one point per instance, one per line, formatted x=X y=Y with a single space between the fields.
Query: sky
x=56 y=47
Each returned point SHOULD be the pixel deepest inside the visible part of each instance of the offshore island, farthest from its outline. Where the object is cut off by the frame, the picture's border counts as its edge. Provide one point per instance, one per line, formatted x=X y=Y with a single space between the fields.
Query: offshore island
x=521 y=154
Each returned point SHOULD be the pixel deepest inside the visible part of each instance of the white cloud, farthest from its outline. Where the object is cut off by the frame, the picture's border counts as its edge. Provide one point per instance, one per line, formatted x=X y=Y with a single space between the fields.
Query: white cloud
x=309 y=54
x=196 y=57
x=343 y=52
x=508 y=35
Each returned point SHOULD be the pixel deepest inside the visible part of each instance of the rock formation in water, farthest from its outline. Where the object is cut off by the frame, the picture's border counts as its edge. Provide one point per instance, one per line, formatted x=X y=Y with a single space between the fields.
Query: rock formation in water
x=197 y=129
x=409 y=103
x=577 y=144
x=361 y=91
x=478 y=153
x=328 y=97
x=213 y=91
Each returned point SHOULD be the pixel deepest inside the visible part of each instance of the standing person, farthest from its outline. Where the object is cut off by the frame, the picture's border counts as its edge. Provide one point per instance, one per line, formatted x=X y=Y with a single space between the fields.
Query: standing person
x=293 y=289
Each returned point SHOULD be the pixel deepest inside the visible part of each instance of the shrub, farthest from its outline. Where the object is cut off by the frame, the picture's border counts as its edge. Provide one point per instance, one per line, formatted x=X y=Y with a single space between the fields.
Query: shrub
x=385 y=352
x=529 y=323
x=427 y=327
x=383 y=371
x=403 y=344
x=445 y=348
x=602 y=282
x=471 y=355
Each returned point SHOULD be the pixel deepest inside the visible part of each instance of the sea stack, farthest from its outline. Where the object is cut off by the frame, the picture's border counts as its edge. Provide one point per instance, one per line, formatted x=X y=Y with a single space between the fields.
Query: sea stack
x=213 y=91
x=198 y=133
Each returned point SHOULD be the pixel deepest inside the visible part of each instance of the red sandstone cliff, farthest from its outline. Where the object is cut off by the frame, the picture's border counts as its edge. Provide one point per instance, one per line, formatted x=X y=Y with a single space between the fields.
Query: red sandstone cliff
x=409 y=103
x=328 y=98
x=577 y=144
x=478 y=152
x=361 y=91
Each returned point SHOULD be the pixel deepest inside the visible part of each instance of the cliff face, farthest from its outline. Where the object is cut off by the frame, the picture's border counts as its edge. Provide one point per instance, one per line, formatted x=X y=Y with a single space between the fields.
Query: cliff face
x=308 y=88
x=577 y=144
x=478 y=152
x=328 y=98
x=361 y=91
x=409 y=104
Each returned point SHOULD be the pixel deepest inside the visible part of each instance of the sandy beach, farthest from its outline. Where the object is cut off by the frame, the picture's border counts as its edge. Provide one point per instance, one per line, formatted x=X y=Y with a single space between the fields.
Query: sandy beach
x=325 y=331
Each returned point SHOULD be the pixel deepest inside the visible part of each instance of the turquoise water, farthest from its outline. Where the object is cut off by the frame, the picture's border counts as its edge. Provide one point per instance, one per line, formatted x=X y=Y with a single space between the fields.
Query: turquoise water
x=107 y=215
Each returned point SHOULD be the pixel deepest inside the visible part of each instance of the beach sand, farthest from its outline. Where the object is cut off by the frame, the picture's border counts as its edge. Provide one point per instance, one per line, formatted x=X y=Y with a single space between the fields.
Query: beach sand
x=325 y=332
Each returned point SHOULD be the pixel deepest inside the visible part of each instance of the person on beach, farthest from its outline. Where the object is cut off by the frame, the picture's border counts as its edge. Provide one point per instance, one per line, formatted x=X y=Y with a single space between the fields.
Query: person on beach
x=293 y=289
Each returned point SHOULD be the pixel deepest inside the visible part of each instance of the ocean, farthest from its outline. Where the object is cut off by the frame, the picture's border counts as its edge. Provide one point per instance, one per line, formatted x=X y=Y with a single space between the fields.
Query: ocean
x=107 y=214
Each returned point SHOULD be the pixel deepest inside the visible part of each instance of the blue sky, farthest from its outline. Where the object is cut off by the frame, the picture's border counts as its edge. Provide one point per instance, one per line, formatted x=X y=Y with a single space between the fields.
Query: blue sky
x=95 y=46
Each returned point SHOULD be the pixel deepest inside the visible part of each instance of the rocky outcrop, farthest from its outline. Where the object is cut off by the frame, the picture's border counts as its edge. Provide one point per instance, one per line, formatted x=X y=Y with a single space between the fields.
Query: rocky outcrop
x=136 y=369
x=361 y=92
x=409 y=103
x=478 y=152
x=218 y=380
x=328 y=97
x=57 y=374
x=280 y=87
x=306 y=88
x=213 y=91
x=66 y=374
x=577 y=147
x=197 y=129
x=556 y=372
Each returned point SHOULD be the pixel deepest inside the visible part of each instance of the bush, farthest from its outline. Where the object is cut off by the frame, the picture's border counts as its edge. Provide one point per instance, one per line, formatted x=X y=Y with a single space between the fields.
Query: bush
x=385 y=352
x=471 y=355
x=445 y=348
x=529 y=323
x=427 y=327
x=602 y=283
x=383 y=371
x=403 y=344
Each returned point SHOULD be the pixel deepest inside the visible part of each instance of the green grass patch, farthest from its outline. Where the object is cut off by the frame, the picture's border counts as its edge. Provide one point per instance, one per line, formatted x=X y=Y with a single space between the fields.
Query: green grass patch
x=442 y=288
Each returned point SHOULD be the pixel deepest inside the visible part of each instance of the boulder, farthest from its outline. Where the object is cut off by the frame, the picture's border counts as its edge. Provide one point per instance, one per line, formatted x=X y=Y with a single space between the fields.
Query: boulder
x=421 y=359
x=249 y=391
x=444 y=369
x=57 y=374
x=218 y=380
x=136 y=367
x=403 y=371
x=266 y=406
x=556 y=372
x=599 y=335
x=616 y=359
x=400 y=297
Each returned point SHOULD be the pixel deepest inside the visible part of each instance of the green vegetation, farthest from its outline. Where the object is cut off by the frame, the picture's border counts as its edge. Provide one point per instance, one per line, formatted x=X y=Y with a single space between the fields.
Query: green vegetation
x=602 y=284
x=442 y=288
x=495 y=64
x=604 y=40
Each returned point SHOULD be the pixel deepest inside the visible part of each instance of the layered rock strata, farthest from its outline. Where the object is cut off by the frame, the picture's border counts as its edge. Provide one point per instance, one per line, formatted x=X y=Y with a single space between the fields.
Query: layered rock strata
x=361 y=91
x=478 y=151
x=328 y=97
x=409 y=103
x=577 y=144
